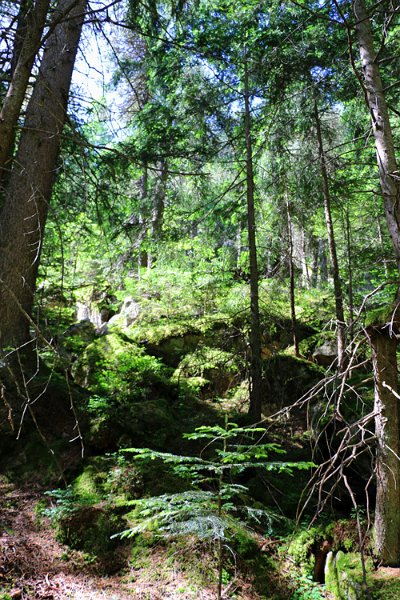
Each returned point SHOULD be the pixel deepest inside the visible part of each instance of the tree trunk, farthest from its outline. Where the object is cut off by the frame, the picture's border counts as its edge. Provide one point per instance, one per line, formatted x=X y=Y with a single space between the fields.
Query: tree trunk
x=292 y=281
x=27 y=195
x=384 y=344
x=157 y=216
x=142 y=259
x=255 y=328
x=24 y=58
x=337 y=286
x=376 y=102
x=387 y=510
x=350 y=276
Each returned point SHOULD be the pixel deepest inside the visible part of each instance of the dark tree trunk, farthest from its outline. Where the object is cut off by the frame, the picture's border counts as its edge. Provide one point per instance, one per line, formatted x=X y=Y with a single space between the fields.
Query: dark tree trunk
x=337 y=286
x=350 y=292
x=384 y=341
x=292 y=281
x=157 y=216
x=255 y=328
x=27 y=196
x=27 y=45
x=387 y=511
x=142 y=221
x=322 y=262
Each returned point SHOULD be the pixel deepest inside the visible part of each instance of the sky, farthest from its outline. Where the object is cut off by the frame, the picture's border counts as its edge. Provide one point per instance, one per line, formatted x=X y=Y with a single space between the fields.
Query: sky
x=92 y=81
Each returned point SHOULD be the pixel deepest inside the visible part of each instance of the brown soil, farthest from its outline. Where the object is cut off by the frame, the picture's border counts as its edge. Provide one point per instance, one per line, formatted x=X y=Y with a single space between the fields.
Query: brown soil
x=33 y=565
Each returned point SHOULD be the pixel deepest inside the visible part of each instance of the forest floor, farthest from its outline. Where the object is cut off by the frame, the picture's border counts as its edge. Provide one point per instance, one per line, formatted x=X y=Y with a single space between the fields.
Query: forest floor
x=33 y=565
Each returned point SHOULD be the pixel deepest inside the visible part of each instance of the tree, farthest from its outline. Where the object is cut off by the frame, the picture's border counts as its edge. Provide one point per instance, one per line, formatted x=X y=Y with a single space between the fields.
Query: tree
x=383 y=335
x=337 y=286
x=383 y=326
x=26 y=46
x=28 y=192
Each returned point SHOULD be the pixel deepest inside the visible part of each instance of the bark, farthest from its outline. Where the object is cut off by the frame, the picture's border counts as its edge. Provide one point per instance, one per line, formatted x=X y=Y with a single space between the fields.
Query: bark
x=255 y=328
x=304 y=263
x=350 y=277
x=337 y=286
x=10 y=111
x=27 y=196
x=376 y=102
x=24 y=7
x=322 y=262
x=387 y=510
x=157 y=216
x=292 y=282
x=384 y=343
x=144 y=190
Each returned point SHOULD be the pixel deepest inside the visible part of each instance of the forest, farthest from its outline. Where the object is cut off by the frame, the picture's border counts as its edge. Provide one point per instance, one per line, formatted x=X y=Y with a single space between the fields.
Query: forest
x=199 y=299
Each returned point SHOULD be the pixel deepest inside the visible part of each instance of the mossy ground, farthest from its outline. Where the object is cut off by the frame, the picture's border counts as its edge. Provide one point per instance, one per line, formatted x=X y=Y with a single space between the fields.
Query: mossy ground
x=145 y=385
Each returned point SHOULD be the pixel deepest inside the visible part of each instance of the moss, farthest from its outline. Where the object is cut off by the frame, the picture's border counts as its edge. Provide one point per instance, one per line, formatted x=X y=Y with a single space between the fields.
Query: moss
x=344 y=576
x=161 y=331
x=213 y=366
x=287 y=378
x=101 y=353
x=308 y=345
x=300 y=548
x=385 y=587
x=86 y=487
x=90 y=528
x=244 y=543
x=378 y=317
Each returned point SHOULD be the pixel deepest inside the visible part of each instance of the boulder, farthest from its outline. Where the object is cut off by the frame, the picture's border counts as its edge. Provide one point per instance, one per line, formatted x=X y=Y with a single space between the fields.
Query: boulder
x=326 y=353
x=83 y=329
x=128 y=315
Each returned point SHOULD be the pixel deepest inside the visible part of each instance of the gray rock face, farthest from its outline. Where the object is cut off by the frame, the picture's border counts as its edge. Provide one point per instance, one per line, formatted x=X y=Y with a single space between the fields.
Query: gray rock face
x=88 y=312
x=326 y=353
x=128 y=314
x=84 y=329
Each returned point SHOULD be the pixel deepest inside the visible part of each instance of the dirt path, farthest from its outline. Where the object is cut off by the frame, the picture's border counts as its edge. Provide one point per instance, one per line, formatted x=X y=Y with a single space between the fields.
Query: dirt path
x=33 y=565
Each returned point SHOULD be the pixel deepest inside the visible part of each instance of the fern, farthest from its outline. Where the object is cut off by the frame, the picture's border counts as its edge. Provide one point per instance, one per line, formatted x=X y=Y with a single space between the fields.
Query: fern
x=235 y=449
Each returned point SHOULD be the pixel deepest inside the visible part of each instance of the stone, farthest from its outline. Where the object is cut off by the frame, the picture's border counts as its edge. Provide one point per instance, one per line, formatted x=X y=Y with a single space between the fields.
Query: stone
x=83 y=329
x=325 y=354
x=128 y=314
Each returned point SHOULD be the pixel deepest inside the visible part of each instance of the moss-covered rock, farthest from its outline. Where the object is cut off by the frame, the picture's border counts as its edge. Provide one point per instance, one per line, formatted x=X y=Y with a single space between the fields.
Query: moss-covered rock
x=90 y=528
x=172 y=349
x=379 y=316
x=131 y=394
x=344 y=576
x=309 y=345
x=77 y=336
x=102 y=353
x=286 y=379
x=215 y=367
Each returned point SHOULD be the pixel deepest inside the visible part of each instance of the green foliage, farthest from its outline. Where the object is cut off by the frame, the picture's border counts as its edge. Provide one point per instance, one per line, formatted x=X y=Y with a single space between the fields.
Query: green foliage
x=306 y=588
x=130 y=391
x=205 y=359
x=216 y=502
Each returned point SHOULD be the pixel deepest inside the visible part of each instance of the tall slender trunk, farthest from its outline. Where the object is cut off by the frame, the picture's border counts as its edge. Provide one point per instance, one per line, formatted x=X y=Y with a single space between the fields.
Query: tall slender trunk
x=376 y=102
x=337 y=286
x=144 y=190
x=27 y=195
x=255 y=328
x=304 y=263
x=383 y=338
x=292 y=281
x=28 y=47
x=386 y=406
x=350 y=275
x=157 y=216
